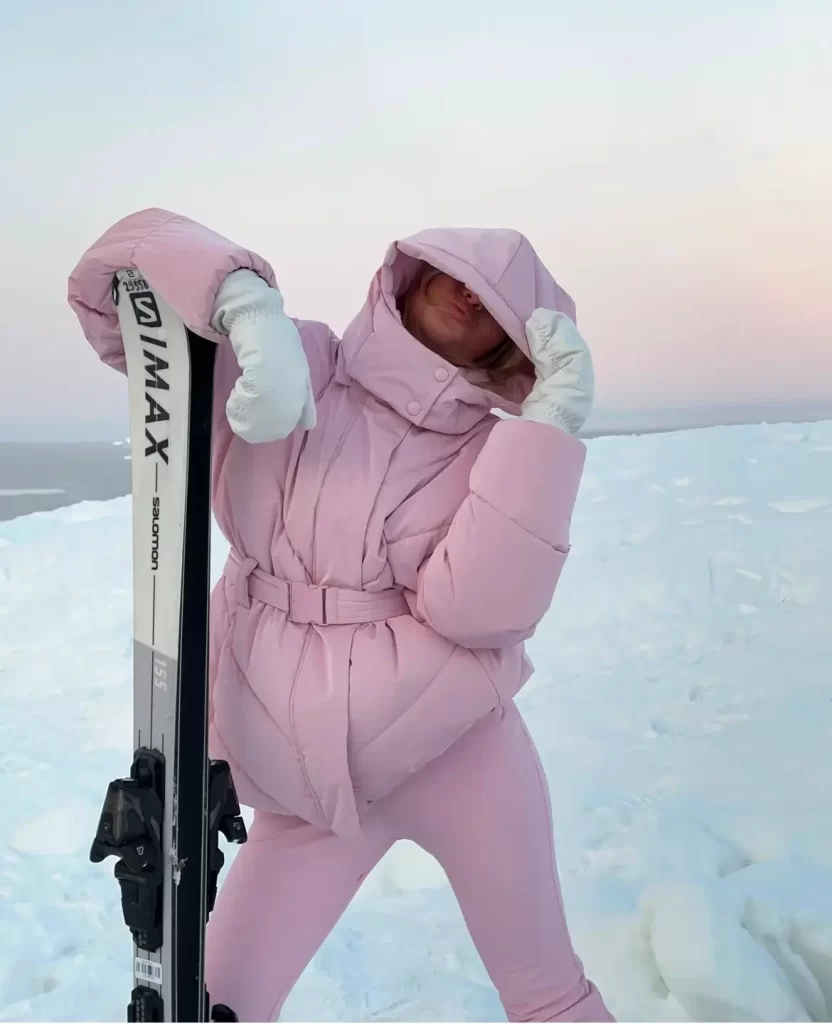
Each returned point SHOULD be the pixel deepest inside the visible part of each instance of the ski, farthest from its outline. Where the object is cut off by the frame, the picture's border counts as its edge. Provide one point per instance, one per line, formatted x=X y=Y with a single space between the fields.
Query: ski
x=162 y=820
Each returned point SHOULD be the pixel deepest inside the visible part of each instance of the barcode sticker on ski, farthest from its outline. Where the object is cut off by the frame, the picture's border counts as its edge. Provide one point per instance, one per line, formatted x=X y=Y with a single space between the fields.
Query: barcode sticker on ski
x=148 y=970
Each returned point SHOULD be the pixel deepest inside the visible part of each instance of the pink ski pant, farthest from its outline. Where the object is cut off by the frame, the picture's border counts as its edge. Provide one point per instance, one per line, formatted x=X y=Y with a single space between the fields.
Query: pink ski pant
x=482 y=809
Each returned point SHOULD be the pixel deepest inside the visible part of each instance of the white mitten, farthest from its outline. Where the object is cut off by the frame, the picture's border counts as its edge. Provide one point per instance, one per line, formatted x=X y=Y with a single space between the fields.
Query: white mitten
x=565 y=387
x=273 y=395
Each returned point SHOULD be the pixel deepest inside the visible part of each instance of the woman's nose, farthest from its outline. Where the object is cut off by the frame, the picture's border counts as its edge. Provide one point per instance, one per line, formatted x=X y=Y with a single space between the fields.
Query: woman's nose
x=472 y=300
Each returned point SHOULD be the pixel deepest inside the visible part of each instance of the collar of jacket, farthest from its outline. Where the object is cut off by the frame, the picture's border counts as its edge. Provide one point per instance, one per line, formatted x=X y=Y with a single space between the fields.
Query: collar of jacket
x=420 y=385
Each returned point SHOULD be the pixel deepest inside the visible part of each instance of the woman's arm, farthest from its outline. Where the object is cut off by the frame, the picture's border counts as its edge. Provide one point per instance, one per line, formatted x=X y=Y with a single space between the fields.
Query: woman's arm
x=185 y=261
x=491 y=577
x=222 y=292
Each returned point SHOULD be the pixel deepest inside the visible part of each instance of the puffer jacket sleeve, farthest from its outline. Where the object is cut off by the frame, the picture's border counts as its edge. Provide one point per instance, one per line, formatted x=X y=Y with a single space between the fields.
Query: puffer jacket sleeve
x=491 y=578
x=184 y=260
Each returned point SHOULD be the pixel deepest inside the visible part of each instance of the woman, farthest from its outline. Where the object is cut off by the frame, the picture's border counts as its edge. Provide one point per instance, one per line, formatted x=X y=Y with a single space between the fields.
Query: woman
x=393 y=543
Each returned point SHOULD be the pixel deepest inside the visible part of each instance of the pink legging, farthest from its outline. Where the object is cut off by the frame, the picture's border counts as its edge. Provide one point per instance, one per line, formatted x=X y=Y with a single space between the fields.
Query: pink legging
x=482 y=809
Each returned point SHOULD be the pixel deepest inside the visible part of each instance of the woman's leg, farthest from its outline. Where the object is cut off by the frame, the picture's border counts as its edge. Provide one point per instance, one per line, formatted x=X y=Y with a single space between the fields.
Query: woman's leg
x=284 y=893
x=482 y=809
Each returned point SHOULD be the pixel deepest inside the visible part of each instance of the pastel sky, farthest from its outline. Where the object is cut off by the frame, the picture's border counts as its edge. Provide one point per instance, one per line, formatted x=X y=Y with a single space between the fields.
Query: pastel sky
x=670 y=161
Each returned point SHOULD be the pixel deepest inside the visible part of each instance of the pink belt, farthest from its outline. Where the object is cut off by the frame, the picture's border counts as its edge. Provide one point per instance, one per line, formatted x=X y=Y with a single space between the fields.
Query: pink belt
x=308 y=604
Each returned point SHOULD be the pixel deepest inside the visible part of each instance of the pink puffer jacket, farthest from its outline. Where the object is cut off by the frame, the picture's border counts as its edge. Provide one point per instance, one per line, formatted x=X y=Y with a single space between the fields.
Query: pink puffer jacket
x=422 y=535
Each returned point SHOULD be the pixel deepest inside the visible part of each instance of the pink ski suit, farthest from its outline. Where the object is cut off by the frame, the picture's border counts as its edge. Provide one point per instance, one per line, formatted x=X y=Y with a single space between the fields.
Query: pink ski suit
x=367 y=633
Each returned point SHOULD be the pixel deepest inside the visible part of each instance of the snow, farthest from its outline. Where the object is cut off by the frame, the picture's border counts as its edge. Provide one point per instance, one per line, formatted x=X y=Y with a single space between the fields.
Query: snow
x=682 y=706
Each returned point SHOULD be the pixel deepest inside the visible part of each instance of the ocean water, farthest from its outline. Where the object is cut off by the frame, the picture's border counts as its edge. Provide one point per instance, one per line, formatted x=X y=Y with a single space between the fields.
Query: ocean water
x=37 y=476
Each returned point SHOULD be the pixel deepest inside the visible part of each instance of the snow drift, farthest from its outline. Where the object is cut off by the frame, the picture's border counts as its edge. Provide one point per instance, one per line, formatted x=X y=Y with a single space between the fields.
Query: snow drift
x=682 y=705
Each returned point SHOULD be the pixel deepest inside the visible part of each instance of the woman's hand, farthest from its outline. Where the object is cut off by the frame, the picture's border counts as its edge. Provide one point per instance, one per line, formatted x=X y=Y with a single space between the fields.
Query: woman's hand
x=565 y=388
x=273 y=395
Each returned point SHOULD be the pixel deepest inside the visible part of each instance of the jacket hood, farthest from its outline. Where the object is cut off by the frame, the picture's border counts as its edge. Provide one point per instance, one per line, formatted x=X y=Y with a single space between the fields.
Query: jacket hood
x=501 y=267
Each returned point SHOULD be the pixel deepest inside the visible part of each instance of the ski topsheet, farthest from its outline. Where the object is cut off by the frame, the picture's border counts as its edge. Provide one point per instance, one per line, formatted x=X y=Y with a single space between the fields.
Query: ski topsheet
x=162 y=821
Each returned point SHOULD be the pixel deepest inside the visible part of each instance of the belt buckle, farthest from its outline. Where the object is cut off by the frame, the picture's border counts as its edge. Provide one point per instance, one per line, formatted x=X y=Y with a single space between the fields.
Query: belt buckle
x=304 y=608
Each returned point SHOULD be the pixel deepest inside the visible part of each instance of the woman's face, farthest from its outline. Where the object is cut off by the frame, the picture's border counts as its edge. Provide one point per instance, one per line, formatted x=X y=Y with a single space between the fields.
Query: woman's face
x=449 y=319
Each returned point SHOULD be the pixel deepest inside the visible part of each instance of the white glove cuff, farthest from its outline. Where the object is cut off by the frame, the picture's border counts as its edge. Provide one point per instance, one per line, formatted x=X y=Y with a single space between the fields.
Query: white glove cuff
x=244 y=294
x=273 y=394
